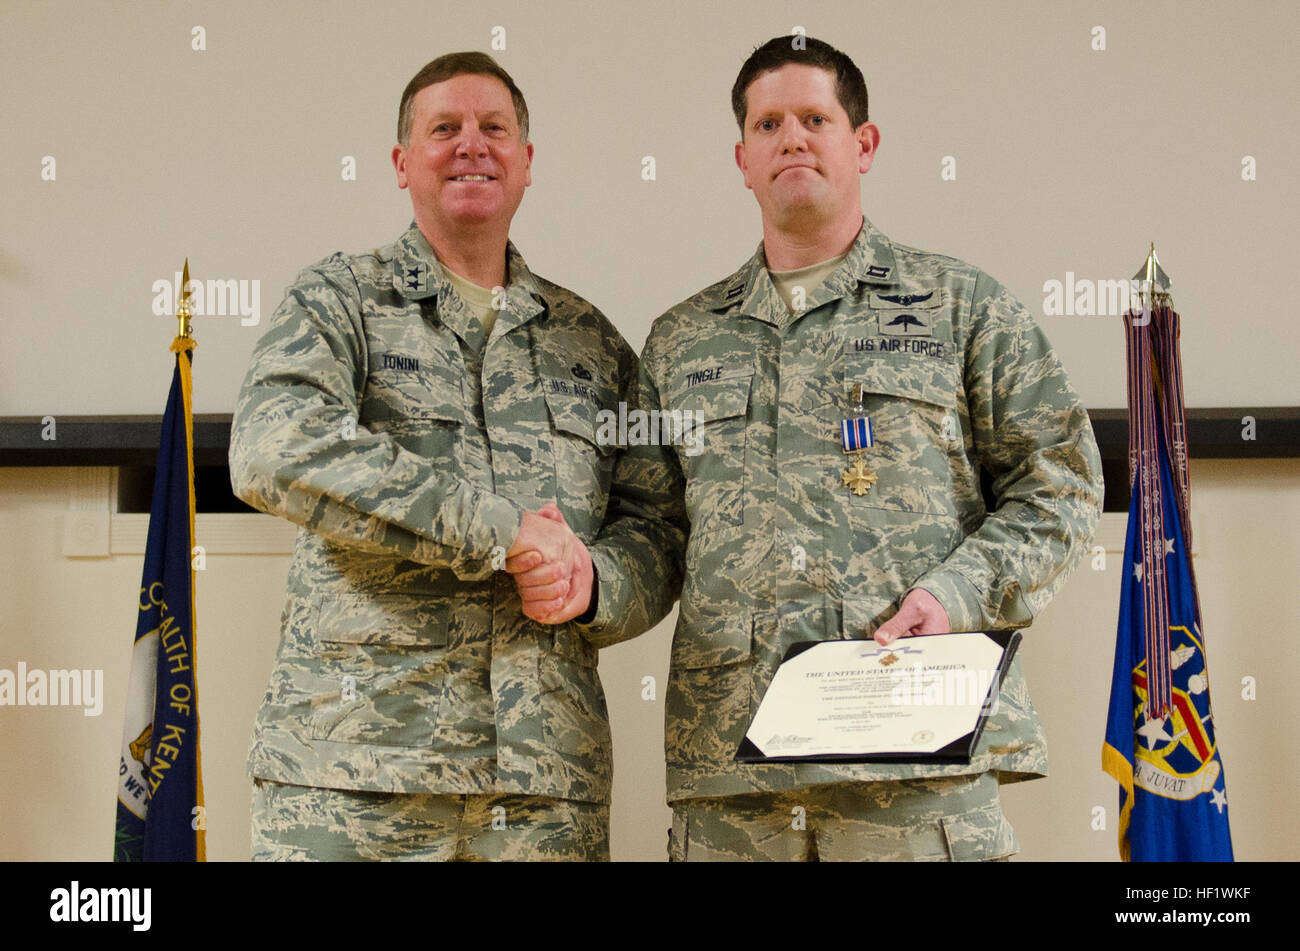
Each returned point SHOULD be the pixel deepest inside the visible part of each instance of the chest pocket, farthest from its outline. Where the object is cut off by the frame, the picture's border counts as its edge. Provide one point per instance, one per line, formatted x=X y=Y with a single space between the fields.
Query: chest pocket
x=584 y=457
x=423 y=414
x=912 y=403
x=713 y=456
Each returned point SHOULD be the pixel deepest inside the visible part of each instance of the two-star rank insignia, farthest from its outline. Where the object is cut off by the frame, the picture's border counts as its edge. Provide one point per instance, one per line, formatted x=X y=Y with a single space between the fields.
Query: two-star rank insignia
x=416 y=278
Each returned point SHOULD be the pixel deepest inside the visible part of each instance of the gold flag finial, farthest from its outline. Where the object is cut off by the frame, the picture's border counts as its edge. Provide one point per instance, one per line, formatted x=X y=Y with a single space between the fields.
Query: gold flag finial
x=183 y=308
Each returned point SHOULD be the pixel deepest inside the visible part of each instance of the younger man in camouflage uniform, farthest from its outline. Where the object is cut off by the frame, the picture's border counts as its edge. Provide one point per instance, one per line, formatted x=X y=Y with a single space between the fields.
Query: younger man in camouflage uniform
x=790 y=541
x=409 y=408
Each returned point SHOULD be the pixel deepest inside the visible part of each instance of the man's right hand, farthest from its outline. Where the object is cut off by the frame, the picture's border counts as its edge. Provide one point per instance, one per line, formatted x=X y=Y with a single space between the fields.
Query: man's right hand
x=543 y=541
x=547 y=600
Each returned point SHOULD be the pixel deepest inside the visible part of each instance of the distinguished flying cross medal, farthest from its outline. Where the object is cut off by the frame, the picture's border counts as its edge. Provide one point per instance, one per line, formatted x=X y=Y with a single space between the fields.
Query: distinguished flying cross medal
x=856 y=436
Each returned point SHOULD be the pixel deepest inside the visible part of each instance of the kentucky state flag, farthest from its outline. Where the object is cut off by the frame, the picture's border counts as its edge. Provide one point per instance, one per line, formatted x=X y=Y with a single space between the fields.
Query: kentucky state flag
x=160 y=787
x=1160 y=739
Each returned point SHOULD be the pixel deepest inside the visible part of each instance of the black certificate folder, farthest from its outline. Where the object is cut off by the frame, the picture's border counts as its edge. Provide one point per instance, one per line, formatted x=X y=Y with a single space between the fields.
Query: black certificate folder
x=866 y=671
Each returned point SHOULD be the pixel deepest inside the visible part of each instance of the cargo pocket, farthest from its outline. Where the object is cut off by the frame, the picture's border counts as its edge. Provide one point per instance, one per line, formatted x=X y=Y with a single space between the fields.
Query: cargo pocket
x=980 y=835
x=710 y=700
x=380 y=668
x=716 y=414
x=678 y=840
x=862 y=616
x=879 y=554
x=575 y=719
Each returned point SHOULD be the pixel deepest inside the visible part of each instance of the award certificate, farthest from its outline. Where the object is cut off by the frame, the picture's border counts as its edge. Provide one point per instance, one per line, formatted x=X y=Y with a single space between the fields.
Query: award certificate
x=922 y=699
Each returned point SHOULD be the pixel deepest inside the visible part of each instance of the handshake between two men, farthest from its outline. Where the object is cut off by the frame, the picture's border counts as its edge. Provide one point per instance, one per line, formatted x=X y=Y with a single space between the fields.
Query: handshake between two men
x=551 y=567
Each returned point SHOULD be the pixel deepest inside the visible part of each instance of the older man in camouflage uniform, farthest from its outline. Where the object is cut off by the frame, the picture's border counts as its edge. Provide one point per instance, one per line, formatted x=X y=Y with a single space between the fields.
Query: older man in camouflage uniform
x=793 y=540
x=409 y=408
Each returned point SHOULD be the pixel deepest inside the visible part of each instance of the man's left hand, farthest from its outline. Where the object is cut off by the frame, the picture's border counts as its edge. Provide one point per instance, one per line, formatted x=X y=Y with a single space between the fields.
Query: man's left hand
x=920 y=613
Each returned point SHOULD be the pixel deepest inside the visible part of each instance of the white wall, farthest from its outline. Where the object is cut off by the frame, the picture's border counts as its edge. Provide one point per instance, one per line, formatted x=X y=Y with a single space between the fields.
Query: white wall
x=1068 y=160
x=64 y=612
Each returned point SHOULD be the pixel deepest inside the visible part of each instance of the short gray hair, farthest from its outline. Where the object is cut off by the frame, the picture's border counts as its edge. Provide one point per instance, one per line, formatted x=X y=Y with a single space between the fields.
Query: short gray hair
x=457 y=64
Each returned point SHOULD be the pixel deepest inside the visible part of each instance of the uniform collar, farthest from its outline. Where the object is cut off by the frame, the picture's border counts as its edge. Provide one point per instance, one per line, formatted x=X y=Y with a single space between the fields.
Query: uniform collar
x=418 y=274
x=750 y=290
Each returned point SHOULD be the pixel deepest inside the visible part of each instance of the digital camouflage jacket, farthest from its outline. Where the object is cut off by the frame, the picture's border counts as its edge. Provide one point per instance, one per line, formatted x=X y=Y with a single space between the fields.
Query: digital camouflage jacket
x=369 y=418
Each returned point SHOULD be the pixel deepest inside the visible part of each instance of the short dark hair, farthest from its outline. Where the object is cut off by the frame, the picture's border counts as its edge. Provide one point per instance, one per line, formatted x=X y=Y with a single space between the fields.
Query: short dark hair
x=457 y=64
x=850 y=87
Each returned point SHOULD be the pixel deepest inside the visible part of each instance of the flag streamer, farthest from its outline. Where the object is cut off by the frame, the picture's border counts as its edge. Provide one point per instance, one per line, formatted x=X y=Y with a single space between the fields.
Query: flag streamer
x=1160 y=741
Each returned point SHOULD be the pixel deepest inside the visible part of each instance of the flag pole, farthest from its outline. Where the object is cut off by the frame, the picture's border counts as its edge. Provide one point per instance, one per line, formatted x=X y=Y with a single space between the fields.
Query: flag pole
x=184 y=344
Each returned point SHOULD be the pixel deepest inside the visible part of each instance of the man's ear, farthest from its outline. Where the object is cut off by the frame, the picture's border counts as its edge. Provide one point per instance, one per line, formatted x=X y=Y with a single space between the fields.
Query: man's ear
x=868 y=136
x=528 y=166
x=399 y=164
x=740 y=164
